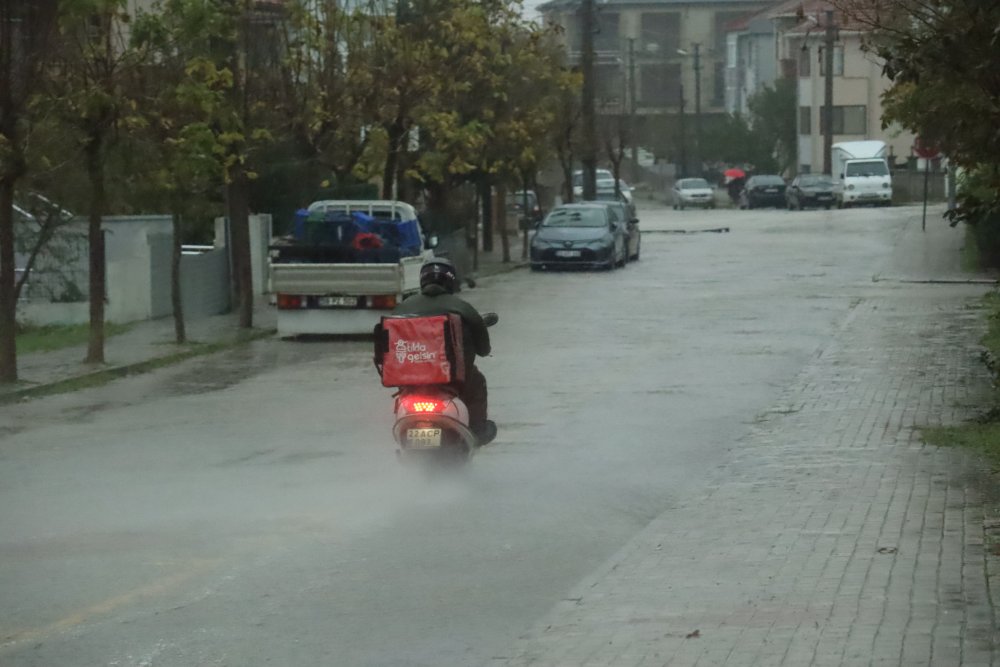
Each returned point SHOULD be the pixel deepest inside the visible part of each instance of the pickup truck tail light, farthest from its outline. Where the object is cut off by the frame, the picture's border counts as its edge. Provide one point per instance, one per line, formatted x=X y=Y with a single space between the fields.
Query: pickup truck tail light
x=382 y=302
x=290 y=301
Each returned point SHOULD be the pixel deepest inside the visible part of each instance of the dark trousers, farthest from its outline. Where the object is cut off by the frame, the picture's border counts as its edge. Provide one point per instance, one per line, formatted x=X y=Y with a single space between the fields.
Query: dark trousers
x=473 y=392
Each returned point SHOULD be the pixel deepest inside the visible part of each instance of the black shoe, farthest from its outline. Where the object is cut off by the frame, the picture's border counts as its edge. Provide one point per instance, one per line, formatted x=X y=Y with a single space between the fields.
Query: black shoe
x=487 y=433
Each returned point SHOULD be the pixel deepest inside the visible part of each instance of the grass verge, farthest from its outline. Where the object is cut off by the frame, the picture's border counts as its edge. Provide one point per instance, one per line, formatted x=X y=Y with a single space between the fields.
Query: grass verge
x=105 y=375
x=57 y=336
x=983 y=434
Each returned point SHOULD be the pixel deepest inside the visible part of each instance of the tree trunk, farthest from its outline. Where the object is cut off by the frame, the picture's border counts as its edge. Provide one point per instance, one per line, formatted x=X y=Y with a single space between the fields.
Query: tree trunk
x=239 y=236
x=95 y=239
x=486 y=201
x=528 y=221
x=566 y=162
x=396 y=135
x=8 y=300
x=501 y=218
x=180 y=332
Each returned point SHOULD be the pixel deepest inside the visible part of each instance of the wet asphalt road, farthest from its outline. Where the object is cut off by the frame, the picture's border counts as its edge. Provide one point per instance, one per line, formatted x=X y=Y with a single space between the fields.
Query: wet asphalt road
x=247 y=509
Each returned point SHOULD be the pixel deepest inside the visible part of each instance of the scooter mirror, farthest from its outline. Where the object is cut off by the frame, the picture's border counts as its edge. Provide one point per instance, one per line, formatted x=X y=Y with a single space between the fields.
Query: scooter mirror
x=490 y=319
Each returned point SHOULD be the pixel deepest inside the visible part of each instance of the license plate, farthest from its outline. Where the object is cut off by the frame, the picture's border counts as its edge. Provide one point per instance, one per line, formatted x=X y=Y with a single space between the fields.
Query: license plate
x=423 y=437
x=567 y=253
x=823 y=197
x=869 y=195
x=771 y=190
x=337 y=301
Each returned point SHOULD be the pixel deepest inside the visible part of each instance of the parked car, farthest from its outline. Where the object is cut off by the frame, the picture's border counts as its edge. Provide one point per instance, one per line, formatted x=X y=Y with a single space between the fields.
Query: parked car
x=624 y=211
x=763 y=190
x=609 y=184
x=579 y=235
x=515 y=203
x=693 y=192
x=605 y=180
x=810 y=190
x=607 y=193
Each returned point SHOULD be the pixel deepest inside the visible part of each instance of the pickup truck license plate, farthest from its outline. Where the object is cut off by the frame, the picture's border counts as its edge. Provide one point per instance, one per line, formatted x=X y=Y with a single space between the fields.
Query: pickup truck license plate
x=424 y=437
x=567 y=253
x=337 y=301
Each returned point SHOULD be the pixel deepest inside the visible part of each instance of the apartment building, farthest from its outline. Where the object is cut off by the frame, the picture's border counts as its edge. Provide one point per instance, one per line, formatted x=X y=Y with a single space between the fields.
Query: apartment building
x=673 y=47
x=858 y=82
x=751 y=59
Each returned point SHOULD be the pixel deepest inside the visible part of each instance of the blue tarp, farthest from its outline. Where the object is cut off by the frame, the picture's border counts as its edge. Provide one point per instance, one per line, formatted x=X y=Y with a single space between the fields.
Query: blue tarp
x=339 y=228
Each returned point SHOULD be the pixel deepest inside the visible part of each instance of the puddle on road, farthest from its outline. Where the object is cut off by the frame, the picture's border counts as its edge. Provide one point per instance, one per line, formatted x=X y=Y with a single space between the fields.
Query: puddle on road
x=227 y=369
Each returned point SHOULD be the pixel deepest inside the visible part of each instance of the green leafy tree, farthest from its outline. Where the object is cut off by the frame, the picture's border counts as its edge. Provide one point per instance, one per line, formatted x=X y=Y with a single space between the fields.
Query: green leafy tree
x=565 y=136
x=731 y=140
x=90 y=91
x=26 y=30
x=181 y=93
x=332 y=89
x=243 y=51
x=773 y=118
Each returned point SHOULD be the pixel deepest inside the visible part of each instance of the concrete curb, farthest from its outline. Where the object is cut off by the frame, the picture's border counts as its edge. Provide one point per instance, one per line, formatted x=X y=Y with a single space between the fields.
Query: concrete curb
x=103 y=376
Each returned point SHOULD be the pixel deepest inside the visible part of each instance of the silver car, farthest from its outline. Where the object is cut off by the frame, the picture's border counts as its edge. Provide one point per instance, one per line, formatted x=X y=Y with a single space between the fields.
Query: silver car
x=693 y=192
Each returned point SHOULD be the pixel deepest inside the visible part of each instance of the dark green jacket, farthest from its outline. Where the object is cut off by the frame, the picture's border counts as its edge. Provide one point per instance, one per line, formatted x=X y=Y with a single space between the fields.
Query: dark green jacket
x=435 y=300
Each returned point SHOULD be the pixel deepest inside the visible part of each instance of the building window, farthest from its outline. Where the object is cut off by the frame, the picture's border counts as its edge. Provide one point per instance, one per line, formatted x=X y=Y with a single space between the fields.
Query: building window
x=805 y=120
x=847 y=120
x=719 y=85
x=838 y=61
x=731 y=53
x=606 y=37
x=609 y=85
x=661 y=33
x=660 y=85
x=804 y=61
x=721 y=19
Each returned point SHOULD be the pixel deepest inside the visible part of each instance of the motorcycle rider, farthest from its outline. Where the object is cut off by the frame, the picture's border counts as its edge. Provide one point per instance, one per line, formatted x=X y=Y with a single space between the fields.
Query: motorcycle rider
x=438 y=284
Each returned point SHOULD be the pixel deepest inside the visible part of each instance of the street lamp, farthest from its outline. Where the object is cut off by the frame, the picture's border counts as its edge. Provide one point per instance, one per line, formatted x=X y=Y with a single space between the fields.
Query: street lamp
x=697 y=103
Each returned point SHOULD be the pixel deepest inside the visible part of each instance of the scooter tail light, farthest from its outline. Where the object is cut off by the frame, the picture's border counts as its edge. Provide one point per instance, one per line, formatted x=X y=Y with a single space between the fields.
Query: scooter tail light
x=418 y=405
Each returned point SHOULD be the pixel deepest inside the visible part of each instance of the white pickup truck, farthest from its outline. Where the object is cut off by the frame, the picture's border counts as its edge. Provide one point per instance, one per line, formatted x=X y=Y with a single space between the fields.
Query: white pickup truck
x=861 y=174
x=340 y=271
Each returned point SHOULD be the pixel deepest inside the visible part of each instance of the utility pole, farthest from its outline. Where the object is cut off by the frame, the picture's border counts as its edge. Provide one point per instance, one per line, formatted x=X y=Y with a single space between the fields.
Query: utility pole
x=697 y=108
x=589 y=156
x=828 y=92
x=683 y=136
x=633 y=129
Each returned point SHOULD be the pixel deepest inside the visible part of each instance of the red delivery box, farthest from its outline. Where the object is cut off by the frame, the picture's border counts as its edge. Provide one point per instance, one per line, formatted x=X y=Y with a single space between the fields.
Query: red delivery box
x=420 y=350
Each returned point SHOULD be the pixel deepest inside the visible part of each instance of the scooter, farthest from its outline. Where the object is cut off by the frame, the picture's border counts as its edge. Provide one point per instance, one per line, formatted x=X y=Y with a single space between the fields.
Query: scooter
x=432 y=423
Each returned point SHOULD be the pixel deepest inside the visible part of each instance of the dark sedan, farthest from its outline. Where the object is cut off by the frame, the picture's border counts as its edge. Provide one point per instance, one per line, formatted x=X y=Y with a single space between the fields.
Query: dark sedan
x=579 y=235
x=624 y=211
x=763 y=190
x=810 y=190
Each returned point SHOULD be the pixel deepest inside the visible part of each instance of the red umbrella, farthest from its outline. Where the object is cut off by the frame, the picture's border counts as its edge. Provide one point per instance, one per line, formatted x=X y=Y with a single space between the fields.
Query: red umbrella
x=734 y=173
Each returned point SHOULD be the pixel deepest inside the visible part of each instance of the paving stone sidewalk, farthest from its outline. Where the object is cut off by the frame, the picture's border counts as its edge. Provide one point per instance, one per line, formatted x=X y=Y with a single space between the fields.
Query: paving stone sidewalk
x=833 y=537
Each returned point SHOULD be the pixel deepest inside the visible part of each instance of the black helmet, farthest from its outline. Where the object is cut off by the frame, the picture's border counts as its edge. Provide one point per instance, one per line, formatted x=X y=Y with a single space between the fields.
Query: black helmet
x=439 y=271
